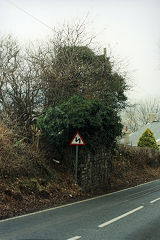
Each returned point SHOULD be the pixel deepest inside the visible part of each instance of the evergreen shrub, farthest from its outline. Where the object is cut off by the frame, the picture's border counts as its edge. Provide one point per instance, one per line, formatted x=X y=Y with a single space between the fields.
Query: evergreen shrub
x=148 y=140
x=98 y=124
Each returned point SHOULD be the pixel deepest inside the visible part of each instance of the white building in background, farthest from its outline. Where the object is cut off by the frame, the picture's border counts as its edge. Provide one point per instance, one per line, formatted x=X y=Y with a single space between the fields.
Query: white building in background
x=133 y=138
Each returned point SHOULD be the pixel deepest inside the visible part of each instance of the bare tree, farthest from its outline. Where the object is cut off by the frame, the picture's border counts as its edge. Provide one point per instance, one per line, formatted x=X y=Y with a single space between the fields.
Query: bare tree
x=19 y=85
x=60 y=68
x=137 y=114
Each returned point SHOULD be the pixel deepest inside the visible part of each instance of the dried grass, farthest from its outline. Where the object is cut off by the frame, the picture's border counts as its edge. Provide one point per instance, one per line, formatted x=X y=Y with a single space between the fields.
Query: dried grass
x=20 y=159
x=134 y=165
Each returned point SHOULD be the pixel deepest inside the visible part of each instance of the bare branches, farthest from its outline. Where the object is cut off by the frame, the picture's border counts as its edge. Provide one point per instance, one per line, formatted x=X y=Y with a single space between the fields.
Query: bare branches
x=74 y=34
x=19 y=87
x=137 y=114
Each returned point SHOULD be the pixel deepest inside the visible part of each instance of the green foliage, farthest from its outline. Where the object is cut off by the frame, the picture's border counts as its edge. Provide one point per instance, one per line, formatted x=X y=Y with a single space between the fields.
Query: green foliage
x=148 y=140
x=77 y=69
x=97 y=123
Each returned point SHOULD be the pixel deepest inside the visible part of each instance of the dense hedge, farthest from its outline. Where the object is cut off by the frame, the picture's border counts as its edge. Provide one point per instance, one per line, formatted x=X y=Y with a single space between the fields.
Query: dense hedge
x=138 y=156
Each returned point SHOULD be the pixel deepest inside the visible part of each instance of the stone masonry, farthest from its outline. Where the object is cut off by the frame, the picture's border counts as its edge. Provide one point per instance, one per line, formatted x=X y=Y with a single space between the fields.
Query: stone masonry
x=94 y=169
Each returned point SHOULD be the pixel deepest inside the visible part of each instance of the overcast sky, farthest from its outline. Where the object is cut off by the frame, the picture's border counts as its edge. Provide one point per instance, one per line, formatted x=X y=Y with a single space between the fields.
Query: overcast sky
x=130 y=27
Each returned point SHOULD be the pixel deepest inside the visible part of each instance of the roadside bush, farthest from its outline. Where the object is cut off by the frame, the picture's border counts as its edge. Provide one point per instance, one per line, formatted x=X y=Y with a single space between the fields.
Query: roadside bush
x=148 y=140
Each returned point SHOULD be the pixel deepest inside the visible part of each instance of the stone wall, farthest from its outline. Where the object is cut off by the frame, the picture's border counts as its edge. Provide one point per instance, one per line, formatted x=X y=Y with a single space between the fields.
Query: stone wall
x=94 y=169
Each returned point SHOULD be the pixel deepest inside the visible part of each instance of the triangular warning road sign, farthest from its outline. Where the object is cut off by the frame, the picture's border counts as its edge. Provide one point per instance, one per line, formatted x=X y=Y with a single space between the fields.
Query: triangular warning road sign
x=77 y=140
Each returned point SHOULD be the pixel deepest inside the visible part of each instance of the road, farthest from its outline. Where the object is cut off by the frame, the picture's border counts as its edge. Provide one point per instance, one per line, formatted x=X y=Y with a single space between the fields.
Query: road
x=131 y=214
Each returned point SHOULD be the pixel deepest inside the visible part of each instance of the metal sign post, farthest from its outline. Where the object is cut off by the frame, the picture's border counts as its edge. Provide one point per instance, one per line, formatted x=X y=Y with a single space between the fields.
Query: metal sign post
x=77 y=140
x=76 y=167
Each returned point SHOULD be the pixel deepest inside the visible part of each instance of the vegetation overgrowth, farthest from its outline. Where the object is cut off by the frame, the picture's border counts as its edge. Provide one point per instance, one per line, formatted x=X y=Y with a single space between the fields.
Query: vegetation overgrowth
x=50 y=76
x=98 y=123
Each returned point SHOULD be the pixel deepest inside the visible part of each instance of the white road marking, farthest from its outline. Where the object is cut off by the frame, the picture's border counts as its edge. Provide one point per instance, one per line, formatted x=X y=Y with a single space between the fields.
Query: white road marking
x=74 y=238
x=155 y=200
x=119 y=217
x=70 y=204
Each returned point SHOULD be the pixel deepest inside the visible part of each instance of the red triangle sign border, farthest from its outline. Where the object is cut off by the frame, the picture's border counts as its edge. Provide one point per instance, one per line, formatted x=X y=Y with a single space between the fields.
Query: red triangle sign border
x=74 y=139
